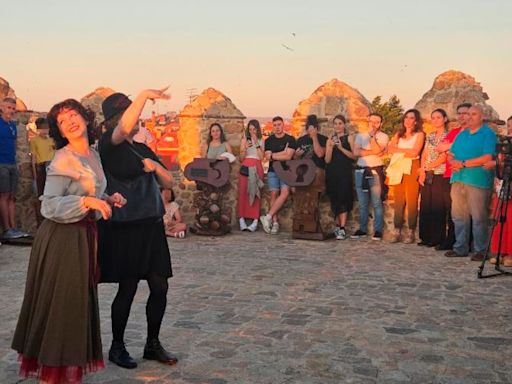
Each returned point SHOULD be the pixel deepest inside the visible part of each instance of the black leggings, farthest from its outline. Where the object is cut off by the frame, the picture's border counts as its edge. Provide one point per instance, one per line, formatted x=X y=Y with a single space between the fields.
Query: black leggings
x=155 y=306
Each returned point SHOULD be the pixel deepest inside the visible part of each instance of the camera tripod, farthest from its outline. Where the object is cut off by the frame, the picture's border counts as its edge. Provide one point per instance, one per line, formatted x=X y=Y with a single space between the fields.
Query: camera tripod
x=499 y=216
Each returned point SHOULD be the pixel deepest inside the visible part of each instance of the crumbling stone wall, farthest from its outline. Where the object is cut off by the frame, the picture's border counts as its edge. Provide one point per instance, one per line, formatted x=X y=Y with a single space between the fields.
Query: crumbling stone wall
x=211 y=106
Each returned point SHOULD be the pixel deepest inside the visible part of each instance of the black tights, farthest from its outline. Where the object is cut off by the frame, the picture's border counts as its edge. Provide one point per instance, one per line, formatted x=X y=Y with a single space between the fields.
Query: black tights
x=155 y=306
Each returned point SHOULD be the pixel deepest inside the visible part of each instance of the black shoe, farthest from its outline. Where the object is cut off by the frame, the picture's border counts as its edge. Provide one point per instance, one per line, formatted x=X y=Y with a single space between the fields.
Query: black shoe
x=454 y=254
x=377 y=236
x=423 y=243
x=478 y=257
x=432 y=245
x=443 y=247
x=154 y=351
x=358 y=234
x=120 y=356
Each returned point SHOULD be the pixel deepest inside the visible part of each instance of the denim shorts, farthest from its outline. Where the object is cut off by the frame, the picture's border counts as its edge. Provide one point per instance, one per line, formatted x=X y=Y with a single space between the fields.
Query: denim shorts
x=274 y=182
x=8 y=178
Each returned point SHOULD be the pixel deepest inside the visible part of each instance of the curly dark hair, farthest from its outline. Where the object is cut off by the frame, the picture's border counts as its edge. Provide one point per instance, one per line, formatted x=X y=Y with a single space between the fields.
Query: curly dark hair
x=222 y=135
x=418 y=124
x=70 y=104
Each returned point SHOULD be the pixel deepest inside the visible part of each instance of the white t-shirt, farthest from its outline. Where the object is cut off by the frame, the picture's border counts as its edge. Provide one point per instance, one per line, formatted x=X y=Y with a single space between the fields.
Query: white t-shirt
x=362 y=140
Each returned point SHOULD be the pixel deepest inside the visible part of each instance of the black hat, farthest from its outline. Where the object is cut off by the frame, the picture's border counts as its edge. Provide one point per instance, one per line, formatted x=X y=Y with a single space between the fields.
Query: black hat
x=115 y=104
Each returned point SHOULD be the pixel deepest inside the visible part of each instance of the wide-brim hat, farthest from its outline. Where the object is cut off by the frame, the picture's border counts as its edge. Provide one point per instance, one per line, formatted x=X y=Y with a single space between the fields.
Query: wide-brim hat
x=115 y=104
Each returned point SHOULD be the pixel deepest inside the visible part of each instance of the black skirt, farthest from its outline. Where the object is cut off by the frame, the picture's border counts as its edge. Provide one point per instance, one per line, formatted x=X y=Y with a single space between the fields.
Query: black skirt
x=133 y=250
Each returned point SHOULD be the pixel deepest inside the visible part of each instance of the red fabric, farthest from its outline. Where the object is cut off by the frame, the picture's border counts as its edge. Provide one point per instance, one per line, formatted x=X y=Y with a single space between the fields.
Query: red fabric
x=506 y=240
x=53 y=375
x=244 y=209
x=450 y=137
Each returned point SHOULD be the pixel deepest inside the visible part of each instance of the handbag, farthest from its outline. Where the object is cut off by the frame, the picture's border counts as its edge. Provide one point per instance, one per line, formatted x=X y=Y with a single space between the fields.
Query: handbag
x=244 y=170
x=142 y=194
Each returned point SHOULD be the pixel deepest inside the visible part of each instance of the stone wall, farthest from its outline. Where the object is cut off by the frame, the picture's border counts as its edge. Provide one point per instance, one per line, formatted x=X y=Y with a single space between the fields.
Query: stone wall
x=7 y=91
x=94 y=100
x=450 y=89
x=211 y=106
x=330 y=99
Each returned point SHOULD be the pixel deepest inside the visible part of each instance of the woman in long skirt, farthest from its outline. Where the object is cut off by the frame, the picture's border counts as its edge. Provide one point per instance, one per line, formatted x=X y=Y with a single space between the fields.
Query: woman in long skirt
x=58 y=331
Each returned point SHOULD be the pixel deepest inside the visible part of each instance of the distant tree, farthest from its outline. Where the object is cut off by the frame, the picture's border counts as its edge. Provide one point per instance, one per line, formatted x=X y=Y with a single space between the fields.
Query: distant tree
x=391 y=111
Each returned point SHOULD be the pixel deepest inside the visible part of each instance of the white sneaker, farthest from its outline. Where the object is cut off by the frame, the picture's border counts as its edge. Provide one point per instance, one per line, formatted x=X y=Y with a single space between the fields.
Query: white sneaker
x=341 y=234
x=275 y=229
x=243 y=225
x=254 y=226
x=266 y=223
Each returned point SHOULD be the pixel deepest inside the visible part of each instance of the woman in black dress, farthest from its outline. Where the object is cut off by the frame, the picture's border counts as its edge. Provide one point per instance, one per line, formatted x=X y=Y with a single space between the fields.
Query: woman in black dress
x=339 y=174
x=133 y=245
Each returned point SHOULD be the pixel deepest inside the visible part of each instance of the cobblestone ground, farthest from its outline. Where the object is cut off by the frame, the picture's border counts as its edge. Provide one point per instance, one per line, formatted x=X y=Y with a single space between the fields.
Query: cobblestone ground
x=254 y=308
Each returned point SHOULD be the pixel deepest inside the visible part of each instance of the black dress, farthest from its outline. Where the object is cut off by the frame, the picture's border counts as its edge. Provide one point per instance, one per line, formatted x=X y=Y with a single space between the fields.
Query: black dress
x=133 y=249
x=339 y=179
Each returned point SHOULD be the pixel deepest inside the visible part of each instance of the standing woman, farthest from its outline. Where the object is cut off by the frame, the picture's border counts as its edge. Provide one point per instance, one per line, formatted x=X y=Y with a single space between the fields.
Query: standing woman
x=133 y=245
x=435 y=188
x=216 y=143
x=251 y=171
x=405 y=148
x=58 y=332
x=339 y=174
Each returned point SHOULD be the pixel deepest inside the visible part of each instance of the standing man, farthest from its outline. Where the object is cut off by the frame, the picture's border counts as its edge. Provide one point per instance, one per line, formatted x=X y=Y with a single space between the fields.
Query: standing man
x=8 y=169
x=369 y=176
x=444 y=146
x=471 y=185
x=278 y=147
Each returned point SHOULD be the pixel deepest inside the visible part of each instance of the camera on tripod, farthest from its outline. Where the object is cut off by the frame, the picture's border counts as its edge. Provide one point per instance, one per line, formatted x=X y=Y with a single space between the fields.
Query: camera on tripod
x=504 y=147
x=504 y=158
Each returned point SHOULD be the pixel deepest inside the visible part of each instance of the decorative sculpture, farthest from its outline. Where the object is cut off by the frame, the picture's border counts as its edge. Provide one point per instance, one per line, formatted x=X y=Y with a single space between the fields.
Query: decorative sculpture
x=212 y=181
x=309 y=183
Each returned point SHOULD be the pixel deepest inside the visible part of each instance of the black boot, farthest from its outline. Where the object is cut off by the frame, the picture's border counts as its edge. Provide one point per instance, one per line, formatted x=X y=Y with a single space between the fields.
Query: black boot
x=120 y=356
x=154 y=351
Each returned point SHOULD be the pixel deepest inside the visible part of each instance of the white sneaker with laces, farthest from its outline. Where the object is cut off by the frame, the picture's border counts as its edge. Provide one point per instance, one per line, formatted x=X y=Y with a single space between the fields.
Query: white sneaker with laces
x=341 y=234
x=266 y=223
x=275 y=229
x=243 y=225
x=254 y=226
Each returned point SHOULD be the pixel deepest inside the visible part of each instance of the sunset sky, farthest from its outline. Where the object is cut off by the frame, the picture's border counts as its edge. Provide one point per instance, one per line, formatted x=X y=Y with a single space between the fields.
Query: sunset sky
x=55 y=49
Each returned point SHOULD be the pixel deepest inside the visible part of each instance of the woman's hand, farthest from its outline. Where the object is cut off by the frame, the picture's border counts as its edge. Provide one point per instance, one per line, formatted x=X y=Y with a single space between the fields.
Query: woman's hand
x=422 y=175
x=154 y=94
x=98 y=205
x=149 y=165
x=117 y=200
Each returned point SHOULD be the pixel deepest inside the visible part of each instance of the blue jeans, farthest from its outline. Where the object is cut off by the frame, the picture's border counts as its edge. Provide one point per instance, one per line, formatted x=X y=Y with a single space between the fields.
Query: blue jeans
x=274 y=182
x=468 y=203
x=363 y=197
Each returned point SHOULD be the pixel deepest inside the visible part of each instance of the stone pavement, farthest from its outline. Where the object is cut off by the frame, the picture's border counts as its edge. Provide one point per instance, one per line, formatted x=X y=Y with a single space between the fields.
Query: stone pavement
x=254 y=308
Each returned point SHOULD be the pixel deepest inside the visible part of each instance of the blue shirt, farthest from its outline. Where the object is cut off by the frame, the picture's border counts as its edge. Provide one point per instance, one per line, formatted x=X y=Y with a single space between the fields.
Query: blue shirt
x=7 y=142
x=469 y=145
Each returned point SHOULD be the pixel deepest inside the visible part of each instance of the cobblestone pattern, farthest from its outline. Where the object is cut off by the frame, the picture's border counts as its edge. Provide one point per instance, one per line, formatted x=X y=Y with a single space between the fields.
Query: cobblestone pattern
x=256 y=308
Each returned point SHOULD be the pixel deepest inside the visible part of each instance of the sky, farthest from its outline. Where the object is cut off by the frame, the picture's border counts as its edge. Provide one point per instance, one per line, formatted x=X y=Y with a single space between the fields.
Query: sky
x=56 y=49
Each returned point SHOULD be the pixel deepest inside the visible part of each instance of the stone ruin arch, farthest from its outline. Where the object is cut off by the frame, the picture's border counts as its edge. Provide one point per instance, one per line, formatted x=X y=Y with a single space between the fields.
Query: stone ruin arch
x=328 y=100
x=211 y=106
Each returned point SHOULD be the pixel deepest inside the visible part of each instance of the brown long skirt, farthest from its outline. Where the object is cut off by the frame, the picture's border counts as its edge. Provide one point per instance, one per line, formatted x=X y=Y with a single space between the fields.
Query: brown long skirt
x=58 y=332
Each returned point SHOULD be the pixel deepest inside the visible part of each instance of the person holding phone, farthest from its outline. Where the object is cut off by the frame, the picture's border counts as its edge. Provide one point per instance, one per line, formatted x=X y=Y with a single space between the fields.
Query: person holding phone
x=251 y=176
x=339 y=159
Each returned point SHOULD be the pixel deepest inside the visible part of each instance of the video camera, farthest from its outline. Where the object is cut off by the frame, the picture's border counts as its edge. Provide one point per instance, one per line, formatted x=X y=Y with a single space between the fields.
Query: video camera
x=504 y=147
